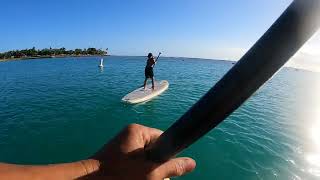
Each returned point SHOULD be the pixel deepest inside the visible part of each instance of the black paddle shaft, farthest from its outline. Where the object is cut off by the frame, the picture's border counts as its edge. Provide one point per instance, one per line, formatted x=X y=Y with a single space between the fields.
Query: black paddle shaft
x=157 y=59
x=283 y=39
x=158 y=56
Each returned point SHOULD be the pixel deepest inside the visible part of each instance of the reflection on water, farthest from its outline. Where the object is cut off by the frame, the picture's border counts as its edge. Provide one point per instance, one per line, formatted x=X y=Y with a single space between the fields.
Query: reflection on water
x=101 y=69
x=313 y=157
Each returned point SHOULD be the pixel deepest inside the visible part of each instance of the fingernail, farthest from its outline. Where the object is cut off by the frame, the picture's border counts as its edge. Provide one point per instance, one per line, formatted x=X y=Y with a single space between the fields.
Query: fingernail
x=190 y=164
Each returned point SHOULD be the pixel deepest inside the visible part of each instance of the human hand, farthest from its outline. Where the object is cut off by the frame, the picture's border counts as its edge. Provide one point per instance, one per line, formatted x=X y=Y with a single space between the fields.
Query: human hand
x=124 y=157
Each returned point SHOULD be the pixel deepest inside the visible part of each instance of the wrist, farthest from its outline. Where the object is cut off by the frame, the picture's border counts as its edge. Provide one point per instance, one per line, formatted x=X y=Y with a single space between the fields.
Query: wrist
x=65 y=171
x=89 y=166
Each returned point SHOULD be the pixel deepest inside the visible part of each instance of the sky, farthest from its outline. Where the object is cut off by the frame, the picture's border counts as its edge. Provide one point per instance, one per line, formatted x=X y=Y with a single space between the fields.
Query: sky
x=214 y=29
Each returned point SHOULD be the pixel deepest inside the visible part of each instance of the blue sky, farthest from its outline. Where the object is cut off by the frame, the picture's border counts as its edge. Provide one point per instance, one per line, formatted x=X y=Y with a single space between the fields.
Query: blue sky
x=217 y=29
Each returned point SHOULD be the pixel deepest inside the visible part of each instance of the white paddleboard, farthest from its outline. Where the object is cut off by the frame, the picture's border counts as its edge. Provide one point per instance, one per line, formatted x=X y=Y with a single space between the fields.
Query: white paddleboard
x=141 y=95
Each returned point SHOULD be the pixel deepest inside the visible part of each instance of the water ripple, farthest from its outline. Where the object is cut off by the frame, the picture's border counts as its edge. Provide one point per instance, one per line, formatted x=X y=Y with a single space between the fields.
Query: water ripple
x=49 y=108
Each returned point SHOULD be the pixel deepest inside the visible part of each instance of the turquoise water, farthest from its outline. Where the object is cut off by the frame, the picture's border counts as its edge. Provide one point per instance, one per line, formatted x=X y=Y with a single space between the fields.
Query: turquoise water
x=58 y=110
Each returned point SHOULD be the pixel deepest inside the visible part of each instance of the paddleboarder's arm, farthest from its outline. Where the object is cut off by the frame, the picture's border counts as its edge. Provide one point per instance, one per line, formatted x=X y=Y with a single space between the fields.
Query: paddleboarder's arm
x=154 y=61
x=122 y=158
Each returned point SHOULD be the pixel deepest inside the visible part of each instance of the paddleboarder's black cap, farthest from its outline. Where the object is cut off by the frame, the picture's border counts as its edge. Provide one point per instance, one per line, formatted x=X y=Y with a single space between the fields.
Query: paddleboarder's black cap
x=150 y=55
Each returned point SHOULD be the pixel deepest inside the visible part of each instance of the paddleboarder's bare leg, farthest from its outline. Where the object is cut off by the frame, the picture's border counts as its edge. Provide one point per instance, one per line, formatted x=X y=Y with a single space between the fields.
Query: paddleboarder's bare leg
x=152 y=83
x=145 y=83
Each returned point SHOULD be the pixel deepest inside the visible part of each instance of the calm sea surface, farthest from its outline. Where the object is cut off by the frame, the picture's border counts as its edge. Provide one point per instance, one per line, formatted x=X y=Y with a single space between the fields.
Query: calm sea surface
x=58 y=110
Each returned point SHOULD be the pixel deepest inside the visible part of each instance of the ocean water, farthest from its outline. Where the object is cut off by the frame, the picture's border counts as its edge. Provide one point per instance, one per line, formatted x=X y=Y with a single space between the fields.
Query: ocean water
x=60 y=110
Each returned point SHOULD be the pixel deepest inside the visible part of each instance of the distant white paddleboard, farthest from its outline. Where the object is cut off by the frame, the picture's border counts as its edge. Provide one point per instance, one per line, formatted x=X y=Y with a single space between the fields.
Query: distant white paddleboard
x=141 y=95
x=101 y=63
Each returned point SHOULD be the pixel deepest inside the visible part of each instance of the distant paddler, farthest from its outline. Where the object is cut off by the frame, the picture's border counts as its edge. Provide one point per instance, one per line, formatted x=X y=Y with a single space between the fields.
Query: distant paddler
x=148 y=71
x=101 y=60
x=101 y=63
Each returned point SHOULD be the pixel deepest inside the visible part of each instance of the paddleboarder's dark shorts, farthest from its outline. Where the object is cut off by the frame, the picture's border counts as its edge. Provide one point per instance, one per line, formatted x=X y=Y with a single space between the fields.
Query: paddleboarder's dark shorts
x=148 y=72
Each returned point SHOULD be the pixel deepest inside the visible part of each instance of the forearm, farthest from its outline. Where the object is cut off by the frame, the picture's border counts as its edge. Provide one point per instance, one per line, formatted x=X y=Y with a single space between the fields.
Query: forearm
x=55 y=171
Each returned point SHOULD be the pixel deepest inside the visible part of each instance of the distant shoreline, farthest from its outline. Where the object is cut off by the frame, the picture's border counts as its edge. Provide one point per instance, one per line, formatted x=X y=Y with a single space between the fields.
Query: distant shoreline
x=48 y=57
x=98 y=55
x=34 y=53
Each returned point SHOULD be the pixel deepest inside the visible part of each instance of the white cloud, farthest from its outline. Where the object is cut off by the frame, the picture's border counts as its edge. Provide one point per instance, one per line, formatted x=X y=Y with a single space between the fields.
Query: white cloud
x=308 y=57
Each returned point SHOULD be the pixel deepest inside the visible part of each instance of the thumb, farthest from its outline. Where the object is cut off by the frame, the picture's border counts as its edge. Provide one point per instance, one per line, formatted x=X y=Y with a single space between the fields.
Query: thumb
x=176 y=167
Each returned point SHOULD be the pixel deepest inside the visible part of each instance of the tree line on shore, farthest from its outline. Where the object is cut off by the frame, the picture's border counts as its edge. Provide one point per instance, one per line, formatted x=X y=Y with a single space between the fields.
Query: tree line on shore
x=49 y=52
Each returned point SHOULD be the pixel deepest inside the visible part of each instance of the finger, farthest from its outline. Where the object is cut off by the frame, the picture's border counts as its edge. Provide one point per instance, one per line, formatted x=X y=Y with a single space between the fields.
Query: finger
x=149 y=135
x=176 y=167
x=144 y=135
x=153 y=134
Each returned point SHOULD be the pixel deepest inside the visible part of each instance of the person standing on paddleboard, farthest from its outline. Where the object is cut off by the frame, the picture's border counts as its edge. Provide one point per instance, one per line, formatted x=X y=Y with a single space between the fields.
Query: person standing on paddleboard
x=148 y=71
